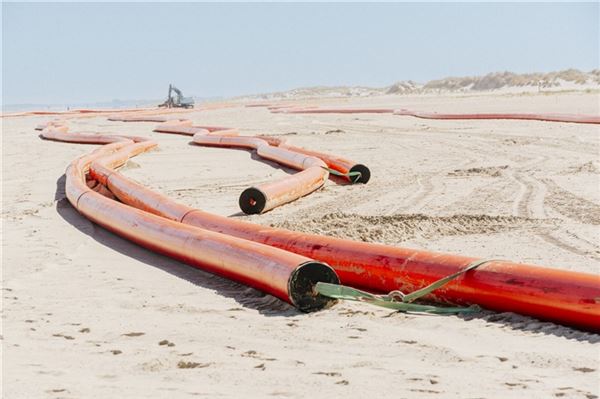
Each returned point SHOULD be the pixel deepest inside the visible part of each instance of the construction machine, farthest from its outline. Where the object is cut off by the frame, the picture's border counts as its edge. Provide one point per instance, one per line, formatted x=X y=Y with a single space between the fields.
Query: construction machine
x=177 y=100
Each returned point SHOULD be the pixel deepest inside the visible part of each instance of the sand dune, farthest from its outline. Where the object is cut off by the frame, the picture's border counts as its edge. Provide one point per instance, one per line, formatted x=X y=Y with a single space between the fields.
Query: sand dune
x=491 y=83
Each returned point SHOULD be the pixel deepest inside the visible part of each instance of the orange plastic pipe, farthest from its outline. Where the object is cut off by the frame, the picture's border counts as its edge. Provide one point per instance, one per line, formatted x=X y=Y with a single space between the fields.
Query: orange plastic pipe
x=185 y=127
x=519 y=116
x=264 y=197
x=315 y=110
x=74 y=112
x=286 y=275
x=141 y=118
x=565 y=297
x=257 y=105
x=594 y=119
x=58 y=131
x=339 y=164
x=342 y=165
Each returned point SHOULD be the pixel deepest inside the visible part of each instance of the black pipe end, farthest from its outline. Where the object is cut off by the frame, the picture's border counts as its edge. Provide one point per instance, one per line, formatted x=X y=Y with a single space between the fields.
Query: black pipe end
x=365 y=173
x=252 y=201
x=301 y=286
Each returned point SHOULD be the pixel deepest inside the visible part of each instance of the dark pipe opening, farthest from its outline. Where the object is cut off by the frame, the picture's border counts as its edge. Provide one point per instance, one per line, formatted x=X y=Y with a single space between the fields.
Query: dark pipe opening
x=252 y=201
x=365 y=173
x=302 y=283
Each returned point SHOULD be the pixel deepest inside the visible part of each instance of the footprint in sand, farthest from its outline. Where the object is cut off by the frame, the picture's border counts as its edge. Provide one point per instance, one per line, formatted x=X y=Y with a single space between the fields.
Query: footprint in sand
x=191 y=365
x=134 y=334
x=424 y=390
x=256 y=355
x=584 y=369
x=63 y=336
x=329 y=373
x=516 y=384
x=408 y=342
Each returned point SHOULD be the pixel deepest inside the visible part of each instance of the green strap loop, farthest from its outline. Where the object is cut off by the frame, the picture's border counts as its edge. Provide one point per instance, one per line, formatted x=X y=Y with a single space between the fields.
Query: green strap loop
x=354 y=176
x=352 y=294
x=390 y=300
x=434 y=286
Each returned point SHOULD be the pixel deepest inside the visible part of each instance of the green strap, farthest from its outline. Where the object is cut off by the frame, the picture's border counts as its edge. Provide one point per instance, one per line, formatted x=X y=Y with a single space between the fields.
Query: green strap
x=354 y=176
x=390 y=300
x=434 y=286
x=352 y=294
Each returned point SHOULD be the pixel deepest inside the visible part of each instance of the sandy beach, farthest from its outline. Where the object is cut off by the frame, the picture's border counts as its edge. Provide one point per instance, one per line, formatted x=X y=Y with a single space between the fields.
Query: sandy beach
x=87 y=314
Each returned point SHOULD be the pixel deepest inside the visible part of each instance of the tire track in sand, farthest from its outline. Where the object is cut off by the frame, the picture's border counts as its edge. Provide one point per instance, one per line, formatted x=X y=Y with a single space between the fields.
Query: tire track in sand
x=530 y=202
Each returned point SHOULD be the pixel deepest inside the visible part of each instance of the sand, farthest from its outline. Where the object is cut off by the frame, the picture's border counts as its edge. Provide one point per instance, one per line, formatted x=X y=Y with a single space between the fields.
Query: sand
x=87 y=314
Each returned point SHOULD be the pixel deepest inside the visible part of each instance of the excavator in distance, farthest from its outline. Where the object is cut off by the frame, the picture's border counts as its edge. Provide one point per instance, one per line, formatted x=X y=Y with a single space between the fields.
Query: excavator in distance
x=177 y=101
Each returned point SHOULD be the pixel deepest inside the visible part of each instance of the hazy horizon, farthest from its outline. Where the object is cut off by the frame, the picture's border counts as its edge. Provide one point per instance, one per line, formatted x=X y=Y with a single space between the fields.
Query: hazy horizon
x=125 y=102
x=94 y=53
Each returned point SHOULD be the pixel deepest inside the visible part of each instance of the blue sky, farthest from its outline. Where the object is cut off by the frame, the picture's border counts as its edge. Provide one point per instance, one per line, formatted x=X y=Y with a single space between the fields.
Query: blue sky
x=72 y=53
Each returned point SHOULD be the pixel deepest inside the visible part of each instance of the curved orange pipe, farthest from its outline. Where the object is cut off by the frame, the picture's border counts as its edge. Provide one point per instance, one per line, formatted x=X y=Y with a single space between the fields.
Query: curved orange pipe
x=267 y=196
x=517 y=116
x=569 y=118
x=286 y=275
x=264 y=197
x=77 y=112
x=185 y=127
x=315 y=110
x=594 y=119
x=59 y=131
x=565 y=297
x=342 y=165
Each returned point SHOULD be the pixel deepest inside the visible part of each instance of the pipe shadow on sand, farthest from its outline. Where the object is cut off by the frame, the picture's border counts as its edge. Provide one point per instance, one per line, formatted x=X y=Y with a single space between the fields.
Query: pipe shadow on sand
x=247 y=297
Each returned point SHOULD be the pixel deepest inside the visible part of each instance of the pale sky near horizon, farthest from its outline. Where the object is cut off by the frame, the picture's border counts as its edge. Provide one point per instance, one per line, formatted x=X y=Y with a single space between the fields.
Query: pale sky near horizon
x=60 y=53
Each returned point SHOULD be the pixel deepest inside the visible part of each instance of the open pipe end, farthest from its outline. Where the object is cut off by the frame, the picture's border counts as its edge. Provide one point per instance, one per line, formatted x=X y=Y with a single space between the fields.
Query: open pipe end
x=301 y=286
x=365 y=173
x=252 y=201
